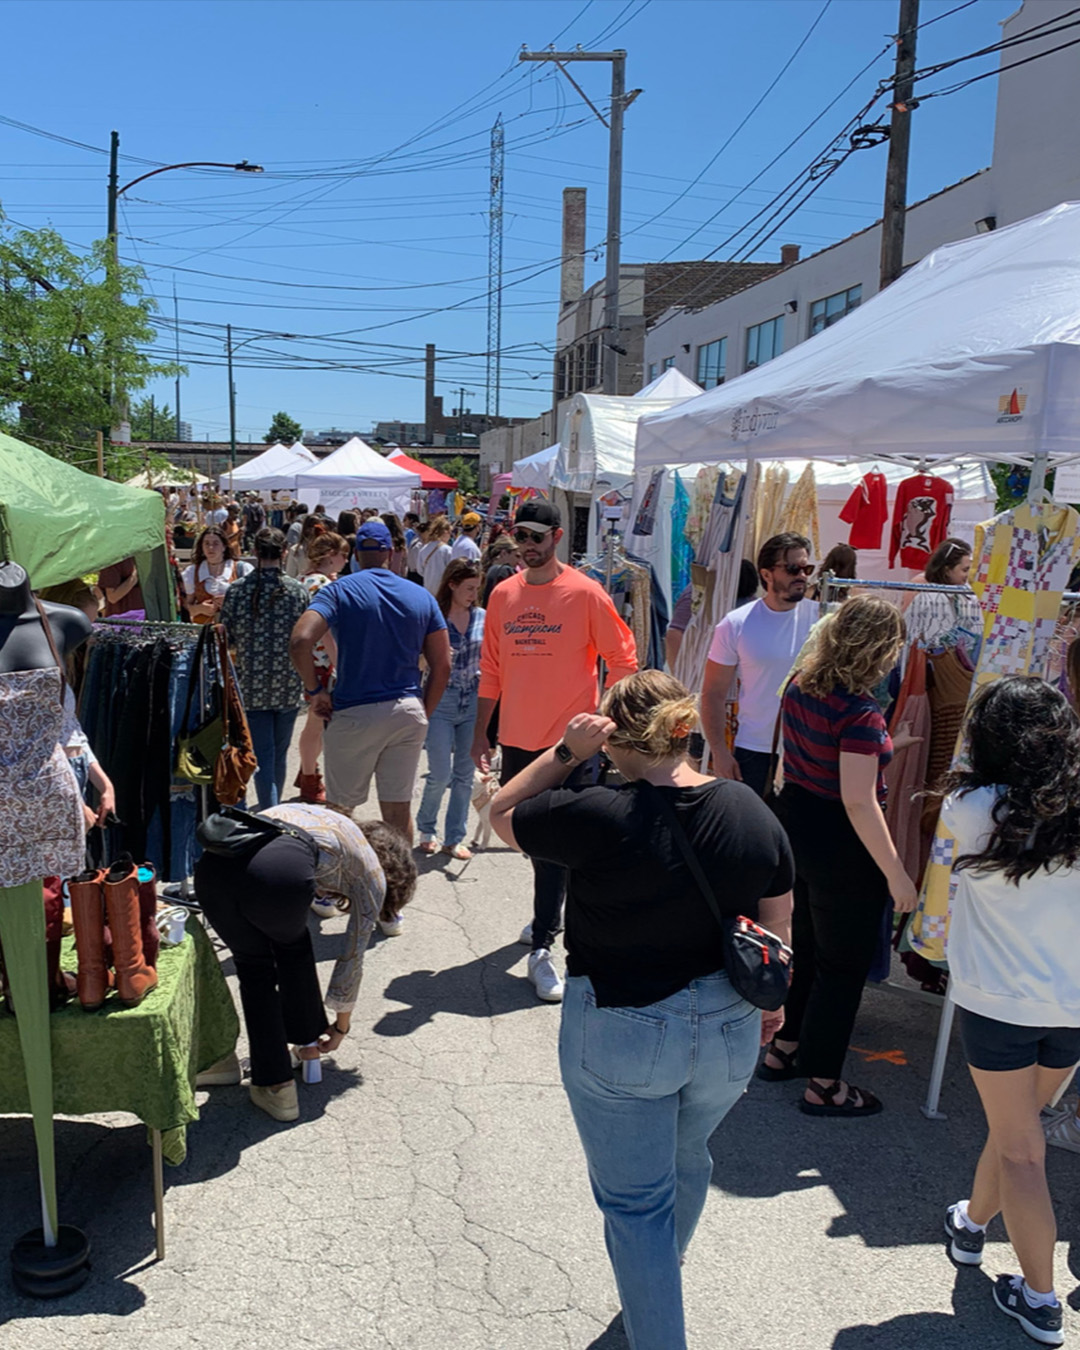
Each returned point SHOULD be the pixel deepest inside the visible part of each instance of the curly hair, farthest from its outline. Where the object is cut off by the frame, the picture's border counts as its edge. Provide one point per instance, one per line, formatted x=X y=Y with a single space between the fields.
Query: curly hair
x=653 y=713
x=1024 y=739
x=399 y=867
x=854 y=648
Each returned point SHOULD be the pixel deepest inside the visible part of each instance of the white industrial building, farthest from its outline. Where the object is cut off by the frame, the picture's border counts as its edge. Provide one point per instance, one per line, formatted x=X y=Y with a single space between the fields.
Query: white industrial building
x=1035 y=166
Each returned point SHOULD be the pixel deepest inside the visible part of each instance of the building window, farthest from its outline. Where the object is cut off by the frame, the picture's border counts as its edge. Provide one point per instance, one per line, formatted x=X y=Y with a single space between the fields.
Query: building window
x=591 y=380
x=824 y=313
x=764 y=341
x=669 y=361
x=562 y=391
x=652 y=372
x=712 y=363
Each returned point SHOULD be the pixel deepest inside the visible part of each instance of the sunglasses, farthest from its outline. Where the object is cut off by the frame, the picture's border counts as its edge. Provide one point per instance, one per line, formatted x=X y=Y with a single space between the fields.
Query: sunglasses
x=799 y=569
x=528 y=537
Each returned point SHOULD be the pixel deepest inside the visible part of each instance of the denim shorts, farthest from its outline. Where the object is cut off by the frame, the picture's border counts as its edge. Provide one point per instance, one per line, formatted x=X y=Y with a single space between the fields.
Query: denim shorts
x=998 y=1047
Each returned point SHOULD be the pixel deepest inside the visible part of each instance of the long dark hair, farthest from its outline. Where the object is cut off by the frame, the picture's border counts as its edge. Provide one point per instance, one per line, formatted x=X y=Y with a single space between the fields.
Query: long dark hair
x=269 y=547
x=197 y=555
x=1024 y=738
x=397 y=534
x=944 y=558
x=457 y=571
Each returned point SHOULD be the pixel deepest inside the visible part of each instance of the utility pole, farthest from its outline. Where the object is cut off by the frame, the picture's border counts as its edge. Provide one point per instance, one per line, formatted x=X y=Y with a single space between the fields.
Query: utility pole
x=620 y=101
x=176 y=326
x=117 y=402
x=495 y=252
x=896 y=173
x=232 y=399
x=461 y=416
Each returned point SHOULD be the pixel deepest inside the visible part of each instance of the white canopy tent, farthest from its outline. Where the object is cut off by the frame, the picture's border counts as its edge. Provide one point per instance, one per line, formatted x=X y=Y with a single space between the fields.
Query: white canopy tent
x=170 y=476
x=974 y=353
x=277 y=467
x=671 y=383
x=534 y=471
x=356 y=476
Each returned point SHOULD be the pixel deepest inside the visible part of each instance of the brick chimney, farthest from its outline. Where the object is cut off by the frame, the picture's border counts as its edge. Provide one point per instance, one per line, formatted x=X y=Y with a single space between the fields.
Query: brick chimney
x=572 y=283
x=789 y=253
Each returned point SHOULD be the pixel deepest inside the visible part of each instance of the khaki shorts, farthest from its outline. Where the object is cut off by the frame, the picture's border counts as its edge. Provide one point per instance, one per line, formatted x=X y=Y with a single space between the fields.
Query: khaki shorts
x=383 y=740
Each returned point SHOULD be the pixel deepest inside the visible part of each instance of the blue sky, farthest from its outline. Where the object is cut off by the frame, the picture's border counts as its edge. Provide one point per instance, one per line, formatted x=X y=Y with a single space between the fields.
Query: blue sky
x=367 y=235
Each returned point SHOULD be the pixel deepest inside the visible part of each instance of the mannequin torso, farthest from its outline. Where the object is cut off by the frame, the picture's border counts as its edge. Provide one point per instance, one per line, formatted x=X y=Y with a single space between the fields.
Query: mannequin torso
x=23 y=644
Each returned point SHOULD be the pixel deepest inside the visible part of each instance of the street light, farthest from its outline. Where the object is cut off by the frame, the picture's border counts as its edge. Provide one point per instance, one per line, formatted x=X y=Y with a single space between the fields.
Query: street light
x=229 y=349
x=115 y=193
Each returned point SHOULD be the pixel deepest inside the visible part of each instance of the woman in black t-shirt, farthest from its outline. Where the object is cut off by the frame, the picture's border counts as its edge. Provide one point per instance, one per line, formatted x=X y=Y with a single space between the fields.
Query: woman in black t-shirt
x=655 y=1046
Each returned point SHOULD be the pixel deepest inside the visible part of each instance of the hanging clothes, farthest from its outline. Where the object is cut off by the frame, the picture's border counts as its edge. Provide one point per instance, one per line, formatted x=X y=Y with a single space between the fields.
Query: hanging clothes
x=769 y=496
x=630 y=587
x=1023 y=561
x=800 y=514
x=906 y=773
x=682 y=551
x=701 y=501
x=867 y=510
x=921 y=518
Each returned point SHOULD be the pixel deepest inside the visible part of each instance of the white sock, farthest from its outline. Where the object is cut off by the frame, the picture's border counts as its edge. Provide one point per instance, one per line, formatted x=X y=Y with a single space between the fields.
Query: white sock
x=1036 y=1300
x=968 y=1222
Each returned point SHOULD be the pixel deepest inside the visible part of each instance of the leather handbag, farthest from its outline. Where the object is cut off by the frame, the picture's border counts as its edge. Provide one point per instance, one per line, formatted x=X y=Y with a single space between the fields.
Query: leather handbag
x=233 y=833
x=235 y=762
x=197 y=751
x=757 y=962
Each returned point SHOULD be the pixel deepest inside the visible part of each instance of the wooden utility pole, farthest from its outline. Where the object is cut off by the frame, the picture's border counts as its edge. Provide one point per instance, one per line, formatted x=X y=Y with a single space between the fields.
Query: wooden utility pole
x=101 y=454
x=896 y=173
x=620 y=101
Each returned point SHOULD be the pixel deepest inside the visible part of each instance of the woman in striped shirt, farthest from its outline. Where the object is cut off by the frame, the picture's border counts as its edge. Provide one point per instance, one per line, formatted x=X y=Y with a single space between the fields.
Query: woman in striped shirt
x=449 y=736
x=836 y=746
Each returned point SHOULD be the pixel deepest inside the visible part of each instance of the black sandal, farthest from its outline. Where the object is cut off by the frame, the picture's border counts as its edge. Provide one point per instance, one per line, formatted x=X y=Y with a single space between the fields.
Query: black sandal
x=787 y=1060
x=829 y=1106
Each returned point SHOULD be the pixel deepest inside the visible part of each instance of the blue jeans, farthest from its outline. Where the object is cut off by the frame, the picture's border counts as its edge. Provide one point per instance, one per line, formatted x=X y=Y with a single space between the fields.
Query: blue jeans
x=271 y=736
x=448 y=746
x=647 y=1087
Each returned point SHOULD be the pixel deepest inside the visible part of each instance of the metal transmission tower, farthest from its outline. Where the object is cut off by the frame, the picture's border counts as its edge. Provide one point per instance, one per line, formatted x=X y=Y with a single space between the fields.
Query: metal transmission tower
x=495 y=250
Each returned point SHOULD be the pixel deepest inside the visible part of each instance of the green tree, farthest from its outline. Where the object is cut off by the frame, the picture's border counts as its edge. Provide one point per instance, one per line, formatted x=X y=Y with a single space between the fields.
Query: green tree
x=284 y=429
x=65 y=333
x=463 y=469
x=150 y=422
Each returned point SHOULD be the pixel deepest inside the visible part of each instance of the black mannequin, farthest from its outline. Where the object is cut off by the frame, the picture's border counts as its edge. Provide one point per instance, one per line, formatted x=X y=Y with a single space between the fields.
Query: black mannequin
x=23 y=644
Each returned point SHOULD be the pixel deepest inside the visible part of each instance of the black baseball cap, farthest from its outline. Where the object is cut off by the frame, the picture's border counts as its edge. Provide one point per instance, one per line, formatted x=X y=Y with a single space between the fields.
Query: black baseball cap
x=539 y=515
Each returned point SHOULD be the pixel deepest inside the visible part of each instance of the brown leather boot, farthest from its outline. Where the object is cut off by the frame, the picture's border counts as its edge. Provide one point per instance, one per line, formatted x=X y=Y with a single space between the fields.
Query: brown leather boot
x=88 y=919
x=311 y=788
x=134 y=978
x=148 y=902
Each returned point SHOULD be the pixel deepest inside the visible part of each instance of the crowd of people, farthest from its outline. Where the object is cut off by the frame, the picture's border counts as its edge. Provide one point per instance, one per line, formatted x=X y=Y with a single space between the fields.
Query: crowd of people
x=405 y=637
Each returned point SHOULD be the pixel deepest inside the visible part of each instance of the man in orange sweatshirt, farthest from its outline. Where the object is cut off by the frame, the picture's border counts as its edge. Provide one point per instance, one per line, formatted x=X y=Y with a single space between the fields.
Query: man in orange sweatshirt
x=545 y=629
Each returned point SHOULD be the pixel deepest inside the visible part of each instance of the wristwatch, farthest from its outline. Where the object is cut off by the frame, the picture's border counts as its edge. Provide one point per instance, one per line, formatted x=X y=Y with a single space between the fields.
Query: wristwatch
x=564 y=754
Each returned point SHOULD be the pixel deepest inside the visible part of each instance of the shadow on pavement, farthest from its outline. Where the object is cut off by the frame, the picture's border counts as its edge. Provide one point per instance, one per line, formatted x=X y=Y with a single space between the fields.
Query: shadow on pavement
x=974 y=1322
x=613 y=1338
x=480 y=988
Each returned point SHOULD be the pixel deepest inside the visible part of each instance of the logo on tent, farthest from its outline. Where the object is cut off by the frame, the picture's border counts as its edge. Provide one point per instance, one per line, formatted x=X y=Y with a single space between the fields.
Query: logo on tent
x=753 y=420
x=1011 y=406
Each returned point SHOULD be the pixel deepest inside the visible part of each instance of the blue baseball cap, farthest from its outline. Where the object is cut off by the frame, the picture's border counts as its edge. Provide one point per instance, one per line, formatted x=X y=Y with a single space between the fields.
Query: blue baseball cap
x=374 y=536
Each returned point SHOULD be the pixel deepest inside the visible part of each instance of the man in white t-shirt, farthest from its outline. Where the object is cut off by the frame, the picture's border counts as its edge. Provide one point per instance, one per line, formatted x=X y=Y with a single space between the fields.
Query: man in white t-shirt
x=758 y=644
x=465 y=545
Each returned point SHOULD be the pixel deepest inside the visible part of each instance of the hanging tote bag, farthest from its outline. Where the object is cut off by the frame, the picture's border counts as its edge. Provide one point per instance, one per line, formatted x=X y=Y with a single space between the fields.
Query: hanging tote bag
x=235 y=762
x=197 y=750
x=757 y=962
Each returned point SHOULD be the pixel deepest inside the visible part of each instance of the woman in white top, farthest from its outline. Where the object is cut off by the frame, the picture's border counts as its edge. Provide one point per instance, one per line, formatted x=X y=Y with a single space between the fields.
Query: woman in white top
x=213 y=570
x=434 y=556
x=1013 y=943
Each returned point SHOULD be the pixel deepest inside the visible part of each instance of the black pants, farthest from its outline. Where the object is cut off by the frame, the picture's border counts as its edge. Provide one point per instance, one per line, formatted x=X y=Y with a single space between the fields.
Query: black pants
x=756 y=768
x=840 y=894
x=549 y=884
x=259 y=907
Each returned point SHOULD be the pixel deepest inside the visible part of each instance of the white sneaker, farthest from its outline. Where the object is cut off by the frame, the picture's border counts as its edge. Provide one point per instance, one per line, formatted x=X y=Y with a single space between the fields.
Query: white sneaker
x=325 y=906
x=526 y=935
x=1064 y=1132
x=391 y=927
x=544 y=976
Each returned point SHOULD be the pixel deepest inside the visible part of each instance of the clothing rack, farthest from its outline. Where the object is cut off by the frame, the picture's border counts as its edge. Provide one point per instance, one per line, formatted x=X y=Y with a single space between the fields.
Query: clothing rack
x=931 y=1107
x=151 y=627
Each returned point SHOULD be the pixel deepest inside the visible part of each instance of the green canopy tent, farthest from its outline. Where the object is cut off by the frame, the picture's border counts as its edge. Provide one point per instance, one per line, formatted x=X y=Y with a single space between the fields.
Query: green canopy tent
x=61 y=523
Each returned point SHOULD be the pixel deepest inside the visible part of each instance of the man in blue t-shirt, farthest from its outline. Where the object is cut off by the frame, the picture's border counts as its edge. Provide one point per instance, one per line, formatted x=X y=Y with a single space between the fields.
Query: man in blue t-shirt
x=377 y=715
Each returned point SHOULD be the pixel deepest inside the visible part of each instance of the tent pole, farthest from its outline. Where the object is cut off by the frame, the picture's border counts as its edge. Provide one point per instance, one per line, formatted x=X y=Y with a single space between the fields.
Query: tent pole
x=1037 y=481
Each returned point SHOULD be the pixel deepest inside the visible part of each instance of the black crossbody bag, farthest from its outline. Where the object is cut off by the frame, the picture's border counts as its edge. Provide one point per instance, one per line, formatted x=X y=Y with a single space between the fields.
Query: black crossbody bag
x=757 y=962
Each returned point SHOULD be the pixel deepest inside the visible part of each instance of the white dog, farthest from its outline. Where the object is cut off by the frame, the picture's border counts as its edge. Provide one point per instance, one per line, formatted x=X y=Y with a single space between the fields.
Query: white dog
x=483 y=792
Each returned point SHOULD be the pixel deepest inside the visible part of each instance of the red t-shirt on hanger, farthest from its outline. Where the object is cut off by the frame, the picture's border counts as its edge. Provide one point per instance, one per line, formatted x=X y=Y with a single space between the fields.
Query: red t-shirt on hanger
x=866 y=511
x=920 y=519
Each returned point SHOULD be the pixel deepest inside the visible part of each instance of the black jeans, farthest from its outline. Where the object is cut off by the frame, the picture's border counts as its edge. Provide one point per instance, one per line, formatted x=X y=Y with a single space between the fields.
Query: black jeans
x=840 y=894
x=756 y=768
x=259 y=907
x=549 y=885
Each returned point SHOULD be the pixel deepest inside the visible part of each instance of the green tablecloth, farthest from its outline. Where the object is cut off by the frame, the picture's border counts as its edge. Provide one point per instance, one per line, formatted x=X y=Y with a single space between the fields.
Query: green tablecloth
x=143 y=1060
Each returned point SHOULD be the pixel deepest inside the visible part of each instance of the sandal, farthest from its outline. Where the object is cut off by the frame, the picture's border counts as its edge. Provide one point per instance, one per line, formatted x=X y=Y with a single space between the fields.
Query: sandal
x=458 y=851
x=429 y=846
x=787 y=1070
x=830 y=1106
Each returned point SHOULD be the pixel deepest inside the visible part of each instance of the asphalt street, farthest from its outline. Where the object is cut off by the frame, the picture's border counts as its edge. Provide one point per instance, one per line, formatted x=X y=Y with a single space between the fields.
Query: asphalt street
x=433 y=1195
